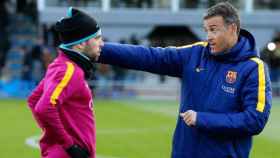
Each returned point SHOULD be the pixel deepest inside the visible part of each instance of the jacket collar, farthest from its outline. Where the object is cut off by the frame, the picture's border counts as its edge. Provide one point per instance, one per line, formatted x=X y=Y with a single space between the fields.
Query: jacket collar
x=81 y=60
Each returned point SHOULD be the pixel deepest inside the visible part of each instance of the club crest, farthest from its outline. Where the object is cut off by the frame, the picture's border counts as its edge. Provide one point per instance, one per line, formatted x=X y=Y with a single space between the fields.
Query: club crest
x=231 y=76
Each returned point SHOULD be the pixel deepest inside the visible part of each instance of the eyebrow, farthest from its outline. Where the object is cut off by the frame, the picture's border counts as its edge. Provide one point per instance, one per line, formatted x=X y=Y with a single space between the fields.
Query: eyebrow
x=213 y=25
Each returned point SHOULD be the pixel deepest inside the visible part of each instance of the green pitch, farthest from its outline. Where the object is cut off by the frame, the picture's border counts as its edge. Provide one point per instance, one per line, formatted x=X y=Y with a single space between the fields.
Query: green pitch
x=125 y=129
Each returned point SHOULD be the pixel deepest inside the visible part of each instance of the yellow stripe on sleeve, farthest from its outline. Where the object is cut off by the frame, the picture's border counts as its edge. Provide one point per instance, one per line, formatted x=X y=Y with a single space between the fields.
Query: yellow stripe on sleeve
x=202 y=43
x=62 y=83
x=261 y=88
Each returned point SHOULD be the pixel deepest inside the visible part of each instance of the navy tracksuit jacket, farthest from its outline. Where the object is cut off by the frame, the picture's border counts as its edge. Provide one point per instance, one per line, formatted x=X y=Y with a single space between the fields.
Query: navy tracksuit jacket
x=230 y=91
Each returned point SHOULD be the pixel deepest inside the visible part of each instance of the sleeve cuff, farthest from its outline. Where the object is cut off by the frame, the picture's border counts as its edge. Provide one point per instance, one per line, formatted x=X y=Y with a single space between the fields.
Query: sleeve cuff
x=200 y=121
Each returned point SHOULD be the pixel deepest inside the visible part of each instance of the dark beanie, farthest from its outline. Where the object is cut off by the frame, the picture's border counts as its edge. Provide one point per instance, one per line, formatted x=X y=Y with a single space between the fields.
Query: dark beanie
x=76 y=28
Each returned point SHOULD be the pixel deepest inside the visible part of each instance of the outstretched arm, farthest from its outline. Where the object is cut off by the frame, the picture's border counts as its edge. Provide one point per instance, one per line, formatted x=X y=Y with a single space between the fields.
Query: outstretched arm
x=165 y=61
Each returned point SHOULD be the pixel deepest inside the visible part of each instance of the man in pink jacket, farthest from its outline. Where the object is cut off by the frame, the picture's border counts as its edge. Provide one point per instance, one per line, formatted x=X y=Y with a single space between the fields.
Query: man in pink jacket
x=62 y=102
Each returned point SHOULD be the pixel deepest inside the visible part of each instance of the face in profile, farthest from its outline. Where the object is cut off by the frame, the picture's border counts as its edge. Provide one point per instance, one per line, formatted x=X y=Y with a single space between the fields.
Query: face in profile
x=93 y=47
x=219 y=35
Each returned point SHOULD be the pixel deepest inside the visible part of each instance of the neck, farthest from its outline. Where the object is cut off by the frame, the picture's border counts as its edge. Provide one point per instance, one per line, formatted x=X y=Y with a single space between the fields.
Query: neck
x=233 y=41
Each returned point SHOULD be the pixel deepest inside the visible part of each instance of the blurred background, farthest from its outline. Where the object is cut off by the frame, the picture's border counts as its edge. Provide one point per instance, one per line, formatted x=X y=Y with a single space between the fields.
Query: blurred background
x=135 y=111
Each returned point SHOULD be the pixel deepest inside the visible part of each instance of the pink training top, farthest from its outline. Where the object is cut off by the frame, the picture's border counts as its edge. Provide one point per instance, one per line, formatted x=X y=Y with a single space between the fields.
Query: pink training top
x=62 y=107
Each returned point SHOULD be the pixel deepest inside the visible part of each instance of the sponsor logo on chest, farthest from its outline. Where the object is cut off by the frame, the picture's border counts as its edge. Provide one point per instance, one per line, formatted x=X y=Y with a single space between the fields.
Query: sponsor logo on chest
x=228 y=89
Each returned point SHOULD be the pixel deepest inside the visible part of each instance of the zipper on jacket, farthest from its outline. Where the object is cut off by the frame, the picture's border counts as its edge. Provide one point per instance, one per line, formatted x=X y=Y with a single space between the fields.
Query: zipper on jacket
x=209 y=77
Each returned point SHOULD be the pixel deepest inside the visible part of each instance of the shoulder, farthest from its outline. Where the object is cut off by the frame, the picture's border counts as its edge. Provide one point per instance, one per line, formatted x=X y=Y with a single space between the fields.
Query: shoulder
x=260 y=65
x=255 y=63
x=251 y=63
x=256 y=68
x=63 y=70
x=200 y=44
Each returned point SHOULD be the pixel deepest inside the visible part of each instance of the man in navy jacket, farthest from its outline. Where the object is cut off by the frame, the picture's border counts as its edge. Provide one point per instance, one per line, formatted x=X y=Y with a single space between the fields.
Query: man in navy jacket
x=226 y=93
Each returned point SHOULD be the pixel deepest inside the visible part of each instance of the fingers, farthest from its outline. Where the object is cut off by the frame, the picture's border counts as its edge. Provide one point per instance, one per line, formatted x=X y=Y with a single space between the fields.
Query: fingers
x=186 y=117
x=189 y=117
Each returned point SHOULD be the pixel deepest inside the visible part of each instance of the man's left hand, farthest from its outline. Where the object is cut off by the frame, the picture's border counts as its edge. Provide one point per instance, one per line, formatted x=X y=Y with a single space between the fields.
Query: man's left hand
x=189 y=117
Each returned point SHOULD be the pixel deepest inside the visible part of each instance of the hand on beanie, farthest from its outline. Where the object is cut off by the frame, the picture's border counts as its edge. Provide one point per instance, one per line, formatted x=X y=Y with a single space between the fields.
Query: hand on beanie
x=77 y=152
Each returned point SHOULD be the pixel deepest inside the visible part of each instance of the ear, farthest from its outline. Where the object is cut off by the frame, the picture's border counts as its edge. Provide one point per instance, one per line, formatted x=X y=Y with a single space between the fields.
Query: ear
x=234 y=28
x=78 y=46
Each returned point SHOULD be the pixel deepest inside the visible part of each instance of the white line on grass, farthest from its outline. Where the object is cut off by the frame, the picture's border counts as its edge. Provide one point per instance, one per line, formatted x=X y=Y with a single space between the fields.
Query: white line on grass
x=102 y=156
x=153 y=107
x=33 y=140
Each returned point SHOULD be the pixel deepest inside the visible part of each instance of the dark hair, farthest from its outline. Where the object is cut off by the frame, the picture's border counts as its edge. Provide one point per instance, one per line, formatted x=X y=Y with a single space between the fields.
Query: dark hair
x=227 y=11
